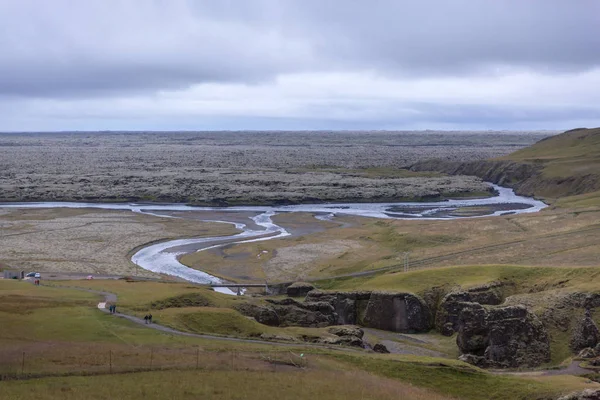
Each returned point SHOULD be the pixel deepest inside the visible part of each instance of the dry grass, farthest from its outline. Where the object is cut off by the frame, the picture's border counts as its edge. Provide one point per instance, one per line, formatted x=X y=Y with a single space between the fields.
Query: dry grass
x=224 y=385
x=90 y=241
x=551 y=238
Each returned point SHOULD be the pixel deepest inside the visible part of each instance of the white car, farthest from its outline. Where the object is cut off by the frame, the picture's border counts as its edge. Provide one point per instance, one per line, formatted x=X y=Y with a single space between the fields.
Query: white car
x=37 y=275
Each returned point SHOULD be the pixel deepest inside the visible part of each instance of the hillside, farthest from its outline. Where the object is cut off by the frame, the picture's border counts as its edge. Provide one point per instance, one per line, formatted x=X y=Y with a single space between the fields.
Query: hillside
x=562 y=169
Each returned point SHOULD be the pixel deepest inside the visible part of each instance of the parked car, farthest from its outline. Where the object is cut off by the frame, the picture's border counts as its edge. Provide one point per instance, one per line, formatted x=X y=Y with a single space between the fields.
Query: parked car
x=31 y=275
x=37 y=275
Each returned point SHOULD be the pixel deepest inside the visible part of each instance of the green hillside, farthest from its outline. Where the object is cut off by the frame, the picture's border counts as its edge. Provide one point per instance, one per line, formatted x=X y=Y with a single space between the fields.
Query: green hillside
x=568 y=165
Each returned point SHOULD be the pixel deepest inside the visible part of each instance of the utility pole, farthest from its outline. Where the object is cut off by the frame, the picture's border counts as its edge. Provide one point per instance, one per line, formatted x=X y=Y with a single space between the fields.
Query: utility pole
x=406 y=262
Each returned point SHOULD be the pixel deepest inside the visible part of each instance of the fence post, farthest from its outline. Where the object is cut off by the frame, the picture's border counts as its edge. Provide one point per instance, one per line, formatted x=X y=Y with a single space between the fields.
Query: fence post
x=110 y=361
x=23 y=364
x=151 y=356
x=197 y=358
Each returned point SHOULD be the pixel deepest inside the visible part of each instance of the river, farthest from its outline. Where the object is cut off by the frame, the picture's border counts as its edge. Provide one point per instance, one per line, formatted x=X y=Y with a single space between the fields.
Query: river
x=163 y=257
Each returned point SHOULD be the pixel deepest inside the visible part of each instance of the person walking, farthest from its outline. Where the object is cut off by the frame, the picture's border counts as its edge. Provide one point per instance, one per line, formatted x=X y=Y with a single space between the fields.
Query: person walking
x=150 y=318
x=146 y=319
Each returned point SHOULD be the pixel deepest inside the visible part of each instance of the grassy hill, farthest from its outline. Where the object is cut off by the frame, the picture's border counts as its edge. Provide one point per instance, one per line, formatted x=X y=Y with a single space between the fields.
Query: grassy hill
x=568 y=165
x=563 y=170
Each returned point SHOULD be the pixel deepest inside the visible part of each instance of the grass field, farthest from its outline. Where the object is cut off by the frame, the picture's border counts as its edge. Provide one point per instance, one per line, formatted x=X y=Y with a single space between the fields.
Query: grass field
x=60 y=332
x=225 y=385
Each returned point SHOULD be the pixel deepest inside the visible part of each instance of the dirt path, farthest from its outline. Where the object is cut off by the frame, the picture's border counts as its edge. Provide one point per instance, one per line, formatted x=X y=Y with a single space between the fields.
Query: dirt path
x=397 y=343
x=572 y=369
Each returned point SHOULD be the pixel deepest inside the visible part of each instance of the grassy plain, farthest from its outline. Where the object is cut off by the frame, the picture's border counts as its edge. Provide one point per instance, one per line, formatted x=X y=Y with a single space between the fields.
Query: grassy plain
x=554 y=237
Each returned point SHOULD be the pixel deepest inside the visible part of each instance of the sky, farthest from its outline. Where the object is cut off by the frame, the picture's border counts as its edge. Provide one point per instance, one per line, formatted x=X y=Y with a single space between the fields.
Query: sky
x=299 y=64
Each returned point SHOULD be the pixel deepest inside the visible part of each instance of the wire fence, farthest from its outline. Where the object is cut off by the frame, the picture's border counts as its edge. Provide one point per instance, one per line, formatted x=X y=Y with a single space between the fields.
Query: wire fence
x=65 y=360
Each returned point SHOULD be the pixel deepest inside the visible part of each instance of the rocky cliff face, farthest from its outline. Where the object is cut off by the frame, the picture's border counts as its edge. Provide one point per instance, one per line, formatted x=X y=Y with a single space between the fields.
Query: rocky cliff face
x=558 y=166
x=585 y=334
x=446 y=319
x=502 y=337
x=525 y=179
x=398 y=312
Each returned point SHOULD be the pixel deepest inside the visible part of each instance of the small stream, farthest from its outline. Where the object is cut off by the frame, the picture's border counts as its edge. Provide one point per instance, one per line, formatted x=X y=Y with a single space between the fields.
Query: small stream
x=163 y=257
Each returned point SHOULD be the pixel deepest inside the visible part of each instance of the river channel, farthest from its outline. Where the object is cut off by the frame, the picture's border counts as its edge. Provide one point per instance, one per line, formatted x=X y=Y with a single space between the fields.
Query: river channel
x=164 y=257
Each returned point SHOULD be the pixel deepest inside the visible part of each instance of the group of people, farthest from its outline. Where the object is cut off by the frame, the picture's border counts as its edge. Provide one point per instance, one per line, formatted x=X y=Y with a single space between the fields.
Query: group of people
x=148 y=318
x=36 y=282
x=112 y=308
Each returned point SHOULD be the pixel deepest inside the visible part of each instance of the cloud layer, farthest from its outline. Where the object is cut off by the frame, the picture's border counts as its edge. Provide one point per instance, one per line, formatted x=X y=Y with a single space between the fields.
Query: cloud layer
x=299 y=64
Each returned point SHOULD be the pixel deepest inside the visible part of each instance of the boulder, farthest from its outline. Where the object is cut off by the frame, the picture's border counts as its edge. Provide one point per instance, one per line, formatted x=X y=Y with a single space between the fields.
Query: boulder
x=343 y=341
x=380 y=348
x=585 y=334
x=502 y=337
x=299 y=289
x=588 y=352
x=447 y=329
x=283 y=338
x=348 y=335
x=346 y=331
x=587 y=394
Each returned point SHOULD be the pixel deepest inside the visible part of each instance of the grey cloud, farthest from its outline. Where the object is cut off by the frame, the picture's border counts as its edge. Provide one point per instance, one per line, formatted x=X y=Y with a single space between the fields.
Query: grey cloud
x=90 y=48
x=457 y=37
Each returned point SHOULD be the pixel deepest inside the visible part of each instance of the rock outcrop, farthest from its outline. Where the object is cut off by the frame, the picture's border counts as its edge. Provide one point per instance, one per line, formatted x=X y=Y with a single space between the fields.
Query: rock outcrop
x=308 y=314
x=446 y=321
x=585 y=333
x=262 y=314
x=348 y=335
x=502 y=337
x=349 y=307
x=397 y=312
x=380 y=348
x=586 y=353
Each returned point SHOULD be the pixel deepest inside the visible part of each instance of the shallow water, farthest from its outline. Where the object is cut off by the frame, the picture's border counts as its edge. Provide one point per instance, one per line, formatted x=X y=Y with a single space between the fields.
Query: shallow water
x=163 y=257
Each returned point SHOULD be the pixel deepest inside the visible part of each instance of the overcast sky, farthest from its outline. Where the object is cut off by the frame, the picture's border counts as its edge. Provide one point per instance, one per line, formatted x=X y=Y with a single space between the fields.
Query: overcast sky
x=299 y=64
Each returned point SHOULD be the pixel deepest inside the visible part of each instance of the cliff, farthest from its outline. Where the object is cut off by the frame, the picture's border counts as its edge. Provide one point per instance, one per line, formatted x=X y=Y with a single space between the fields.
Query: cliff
x=556 y=168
